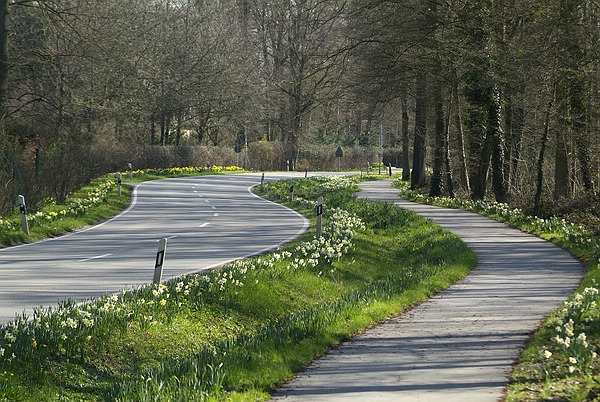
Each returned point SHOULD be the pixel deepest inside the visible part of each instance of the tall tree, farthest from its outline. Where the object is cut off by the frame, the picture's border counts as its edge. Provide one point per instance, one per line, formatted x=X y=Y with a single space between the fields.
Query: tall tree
x=405 y=135
x=484 y=97
x=302 y=51
x=573 y=24
x=437 y=177
x=3 y=58
x=396 y=42
x=417 y=177
x=496 y=133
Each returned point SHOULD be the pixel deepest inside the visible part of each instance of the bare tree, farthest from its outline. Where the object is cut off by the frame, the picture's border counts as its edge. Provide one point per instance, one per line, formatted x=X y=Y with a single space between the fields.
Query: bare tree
x=301 y=49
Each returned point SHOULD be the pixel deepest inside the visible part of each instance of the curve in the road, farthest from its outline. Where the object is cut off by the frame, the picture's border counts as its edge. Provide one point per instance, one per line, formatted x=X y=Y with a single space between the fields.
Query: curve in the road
x=208 y=221
x=461 y=344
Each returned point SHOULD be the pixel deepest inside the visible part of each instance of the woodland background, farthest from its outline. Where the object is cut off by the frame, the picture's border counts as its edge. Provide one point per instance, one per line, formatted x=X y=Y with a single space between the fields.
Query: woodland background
x=482 y=98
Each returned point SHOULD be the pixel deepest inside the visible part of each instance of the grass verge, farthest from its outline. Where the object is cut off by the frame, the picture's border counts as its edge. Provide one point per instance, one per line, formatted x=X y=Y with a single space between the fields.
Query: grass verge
x=236 y=332
x=88 y=205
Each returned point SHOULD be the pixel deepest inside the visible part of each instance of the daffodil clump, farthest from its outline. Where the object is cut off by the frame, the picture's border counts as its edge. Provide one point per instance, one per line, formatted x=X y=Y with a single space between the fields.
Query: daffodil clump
x=342 y=225
x=6 y=225
x=62 y=331
x=332 y=245
x=335 y=182
x=183 y=171
x=76 y=206
x=72 y=328
x=315 y=254
x=570 y=350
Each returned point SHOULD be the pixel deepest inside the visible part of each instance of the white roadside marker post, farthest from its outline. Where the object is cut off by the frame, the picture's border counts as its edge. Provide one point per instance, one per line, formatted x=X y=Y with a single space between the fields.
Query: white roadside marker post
x=160 y=260
x=319 y=216
x=119 y=180
x=24 y=223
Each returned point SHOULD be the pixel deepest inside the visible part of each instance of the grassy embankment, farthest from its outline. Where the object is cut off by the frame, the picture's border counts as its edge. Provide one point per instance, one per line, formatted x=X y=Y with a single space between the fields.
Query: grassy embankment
x=560 y=362
x=236 y=332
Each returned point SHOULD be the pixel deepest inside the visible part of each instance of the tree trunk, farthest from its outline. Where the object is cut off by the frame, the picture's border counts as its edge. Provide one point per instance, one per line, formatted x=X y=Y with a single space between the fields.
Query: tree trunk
x=464 y=170
x=3 y=58
x=162 y=129
x=561 y=167
x=419 y=148
x=405 y=139
x=165 y=128
x=178 y=130
x=514 y=129
x=447 y=155
x=437 y=178
x=480 y=143
x=497 y=135
x=297 y=119
x=540 y=162
x=479 y=179
x=516 y=144
x=365 y=135
x=152 y=130
x=579 y=114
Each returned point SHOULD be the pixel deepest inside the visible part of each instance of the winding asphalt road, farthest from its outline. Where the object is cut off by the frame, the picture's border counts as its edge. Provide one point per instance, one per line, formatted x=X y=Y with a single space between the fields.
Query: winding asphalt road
x=461 y=344
x=208 y=221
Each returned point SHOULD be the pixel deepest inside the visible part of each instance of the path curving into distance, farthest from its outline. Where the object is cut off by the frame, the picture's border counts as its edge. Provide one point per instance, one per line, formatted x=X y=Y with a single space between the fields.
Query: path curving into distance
x=208 y=221
x=461 y=344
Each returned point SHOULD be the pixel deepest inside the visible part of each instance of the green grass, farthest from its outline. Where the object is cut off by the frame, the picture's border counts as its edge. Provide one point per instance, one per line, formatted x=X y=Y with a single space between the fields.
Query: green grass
x=237 y=332
x=88 y=205
x=552 y=368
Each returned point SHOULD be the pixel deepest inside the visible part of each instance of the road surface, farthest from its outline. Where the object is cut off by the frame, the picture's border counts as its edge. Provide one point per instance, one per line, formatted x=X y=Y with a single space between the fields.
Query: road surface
x=208 y=221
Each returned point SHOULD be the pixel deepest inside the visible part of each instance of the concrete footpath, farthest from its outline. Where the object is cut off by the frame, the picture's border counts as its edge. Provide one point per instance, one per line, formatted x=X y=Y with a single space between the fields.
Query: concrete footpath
x=461 y=344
